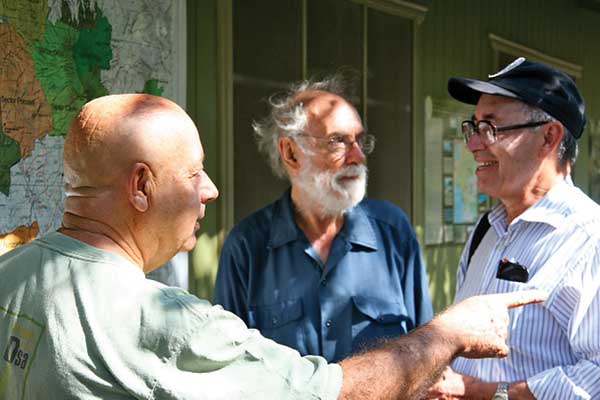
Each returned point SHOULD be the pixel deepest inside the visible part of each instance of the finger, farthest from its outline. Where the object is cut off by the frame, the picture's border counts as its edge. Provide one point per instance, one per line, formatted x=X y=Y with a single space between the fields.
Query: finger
x=521 y=298
x=502 y=350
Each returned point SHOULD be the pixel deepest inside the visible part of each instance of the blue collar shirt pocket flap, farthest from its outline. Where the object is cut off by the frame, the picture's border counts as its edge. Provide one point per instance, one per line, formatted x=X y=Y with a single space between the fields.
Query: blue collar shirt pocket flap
x=276 y=315
x=379 y=310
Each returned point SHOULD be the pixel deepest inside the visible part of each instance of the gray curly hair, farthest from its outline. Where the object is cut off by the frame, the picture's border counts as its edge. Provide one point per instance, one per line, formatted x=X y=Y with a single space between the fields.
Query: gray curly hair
x=568 y=149
x=288 y=118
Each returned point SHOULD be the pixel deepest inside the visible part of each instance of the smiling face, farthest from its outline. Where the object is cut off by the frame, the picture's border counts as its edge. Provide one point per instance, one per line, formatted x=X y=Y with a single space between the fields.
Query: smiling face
x=507 y=168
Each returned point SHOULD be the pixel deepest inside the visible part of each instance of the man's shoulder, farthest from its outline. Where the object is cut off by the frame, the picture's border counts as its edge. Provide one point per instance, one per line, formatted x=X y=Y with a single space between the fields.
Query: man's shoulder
x=33 y=254
x=20 y=251
x=385 y=212
x=172 y=297
x=581 y=212
x=22 y=259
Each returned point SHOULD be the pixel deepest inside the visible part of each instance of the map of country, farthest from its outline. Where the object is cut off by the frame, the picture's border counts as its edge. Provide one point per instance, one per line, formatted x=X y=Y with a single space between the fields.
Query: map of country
x=55 y=55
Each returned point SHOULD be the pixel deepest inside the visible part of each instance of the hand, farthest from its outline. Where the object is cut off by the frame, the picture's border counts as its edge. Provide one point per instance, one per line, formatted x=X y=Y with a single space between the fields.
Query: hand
x=450 y=384
x=479 y=325
x=454 y=385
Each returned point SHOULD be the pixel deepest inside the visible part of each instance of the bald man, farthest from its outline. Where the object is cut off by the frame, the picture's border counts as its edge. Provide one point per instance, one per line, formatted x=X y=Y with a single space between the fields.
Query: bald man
x=78 y=318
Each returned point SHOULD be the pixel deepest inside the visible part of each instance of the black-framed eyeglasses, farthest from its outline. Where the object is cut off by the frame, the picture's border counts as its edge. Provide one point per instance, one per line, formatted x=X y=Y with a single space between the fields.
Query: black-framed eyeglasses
x=487 y=131
x=340 y=144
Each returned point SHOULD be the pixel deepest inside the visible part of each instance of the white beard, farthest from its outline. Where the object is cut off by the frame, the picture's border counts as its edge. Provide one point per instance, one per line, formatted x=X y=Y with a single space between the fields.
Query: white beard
x=326 y=193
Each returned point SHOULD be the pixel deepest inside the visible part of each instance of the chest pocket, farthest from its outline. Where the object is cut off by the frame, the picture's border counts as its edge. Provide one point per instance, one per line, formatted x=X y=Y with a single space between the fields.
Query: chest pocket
x=379 y=310
x=275 y=315
x=374 y=318
x=280 y=322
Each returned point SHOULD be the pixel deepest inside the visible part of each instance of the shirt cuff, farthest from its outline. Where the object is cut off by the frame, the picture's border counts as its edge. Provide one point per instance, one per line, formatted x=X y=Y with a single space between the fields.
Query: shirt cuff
x=554 y=384
x=332 y=390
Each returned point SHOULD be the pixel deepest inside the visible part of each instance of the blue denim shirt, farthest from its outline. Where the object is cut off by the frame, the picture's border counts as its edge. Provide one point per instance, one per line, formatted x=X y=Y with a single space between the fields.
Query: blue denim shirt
x=373 y=284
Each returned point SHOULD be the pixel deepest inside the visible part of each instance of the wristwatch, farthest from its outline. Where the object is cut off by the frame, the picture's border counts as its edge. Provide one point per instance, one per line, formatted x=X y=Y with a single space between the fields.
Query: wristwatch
x=501 y=391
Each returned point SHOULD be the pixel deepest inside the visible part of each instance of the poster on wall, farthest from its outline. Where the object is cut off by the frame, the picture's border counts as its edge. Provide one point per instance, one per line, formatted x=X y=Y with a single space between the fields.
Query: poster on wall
x=57 y=55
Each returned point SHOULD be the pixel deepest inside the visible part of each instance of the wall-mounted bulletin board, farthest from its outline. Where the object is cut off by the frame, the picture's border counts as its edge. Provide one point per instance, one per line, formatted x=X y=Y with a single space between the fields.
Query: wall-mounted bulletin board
x=452 y=202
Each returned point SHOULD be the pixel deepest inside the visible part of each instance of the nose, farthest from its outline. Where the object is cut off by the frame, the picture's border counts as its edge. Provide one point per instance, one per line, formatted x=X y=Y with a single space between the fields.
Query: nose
x=355 y=155
x=475 y=143
x=209 y=191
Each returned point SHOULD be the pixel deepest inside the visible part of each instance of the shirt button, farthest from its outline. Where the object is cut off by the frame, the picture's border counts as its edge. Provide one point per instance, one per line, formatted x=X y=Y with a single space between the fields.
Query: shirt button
x=328 y=323
x=324 y=282
x=274 y=320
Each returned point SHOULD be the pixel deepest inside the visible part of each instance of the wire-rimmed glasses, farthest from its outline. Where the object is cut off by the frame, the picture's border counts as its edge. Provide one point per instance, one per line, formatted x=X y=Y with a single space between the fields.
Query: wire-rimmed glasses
x=340 y=144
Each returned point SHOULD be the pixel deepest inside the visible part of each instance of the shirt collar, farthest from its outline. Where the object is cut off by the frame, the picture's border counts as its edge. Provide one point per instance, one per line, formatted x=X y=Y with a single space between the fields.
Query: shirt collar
x=82 y=250
x=284 y=228
x=357 y=228
x=548 y=210
x=497 y=219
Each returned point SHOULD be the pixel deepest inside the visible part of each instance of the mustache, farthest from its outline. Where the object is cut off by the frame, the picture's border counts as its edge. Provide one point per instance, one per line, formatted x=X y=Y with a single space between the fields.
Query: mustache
x=352 y=170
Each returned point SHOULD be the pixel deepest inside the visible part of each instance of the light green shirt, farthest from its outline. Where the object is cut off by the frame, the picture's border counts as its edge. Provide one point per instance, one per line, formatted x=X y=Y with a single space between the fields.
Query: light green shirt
x=80 y=322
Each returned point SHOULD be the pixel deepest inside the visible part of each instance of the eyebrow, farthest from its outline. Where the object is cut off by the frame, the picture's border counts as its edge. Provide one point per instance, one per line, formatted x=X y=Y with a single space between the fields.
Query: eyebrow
x=364 y=131
x=485 y=117
x=196 y=168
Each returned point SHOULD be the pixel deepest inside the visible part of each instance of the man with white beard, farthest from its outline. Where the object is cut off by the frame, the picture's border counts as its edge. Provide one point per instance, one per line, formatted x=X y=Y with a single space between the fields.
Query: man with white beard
x=322 y=269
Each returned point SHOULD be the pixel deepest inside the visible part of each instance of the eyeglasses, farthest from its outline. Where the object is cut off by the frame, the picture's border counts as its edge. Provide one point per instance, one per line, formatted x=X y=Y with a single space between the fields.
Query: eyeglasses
x=340 y=144
x=487 y=131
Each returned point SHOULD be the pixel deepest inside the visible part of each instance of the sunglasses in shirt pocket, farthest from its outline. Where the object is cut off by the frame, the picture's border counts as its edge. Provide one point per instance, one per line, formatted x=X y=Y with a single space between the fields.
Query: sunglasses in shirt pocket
x=510 y=270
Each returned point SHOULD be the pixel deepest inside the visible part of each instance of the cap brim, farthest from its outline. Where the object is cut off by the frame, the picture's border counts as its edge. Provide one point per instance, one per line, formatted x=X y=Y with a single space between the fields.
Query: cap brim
x=469 y=90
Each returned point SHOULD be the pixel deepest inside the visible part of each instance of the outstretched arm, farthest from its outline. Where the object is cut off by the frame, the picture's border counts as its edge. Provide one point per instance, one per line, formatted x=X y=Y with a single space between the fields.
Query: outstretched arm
x=406 y=366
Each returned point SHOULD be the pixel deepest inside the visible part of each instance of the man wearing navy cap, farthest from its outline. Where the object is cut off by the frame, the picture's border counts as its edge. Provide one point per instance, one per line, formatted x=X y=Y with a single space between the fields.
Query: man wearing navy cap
x=544 y=233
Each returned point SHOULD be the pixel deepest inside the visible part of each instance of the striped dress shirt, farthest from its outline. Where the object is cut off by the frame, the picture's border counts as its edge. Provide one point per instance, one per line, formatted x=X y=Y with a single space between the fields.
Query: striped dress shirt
x=554 y=345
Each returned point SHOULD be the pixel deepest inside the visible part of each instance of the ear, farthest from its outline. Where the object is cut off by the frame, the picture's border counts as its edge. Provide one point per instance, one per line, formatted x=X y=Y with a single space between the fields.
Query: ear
x=288 y=151
x=140 y=185
x=553 y=134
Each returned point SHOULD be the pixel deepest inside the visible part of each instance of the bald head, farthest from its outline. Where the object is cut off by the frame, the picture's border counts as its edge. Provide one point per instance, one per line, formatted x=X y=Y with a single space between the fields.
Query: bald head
x=134 y=176
x=112 y=132
x=322 y=106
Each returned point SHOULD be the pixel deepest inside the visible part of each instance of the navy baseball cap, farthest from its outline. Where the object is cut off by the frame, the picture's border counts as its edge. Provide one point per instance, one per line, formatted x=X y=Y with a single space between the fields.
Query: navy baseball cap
x=536 y=84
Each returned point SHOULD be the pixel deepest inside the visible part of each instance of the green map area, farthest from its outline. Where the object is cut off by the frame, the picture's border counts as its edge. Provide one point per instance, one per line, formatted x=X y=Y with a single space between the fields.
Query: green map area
x=9 y=156
x=68 y=61
x=92 y=51
x=55 y=69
